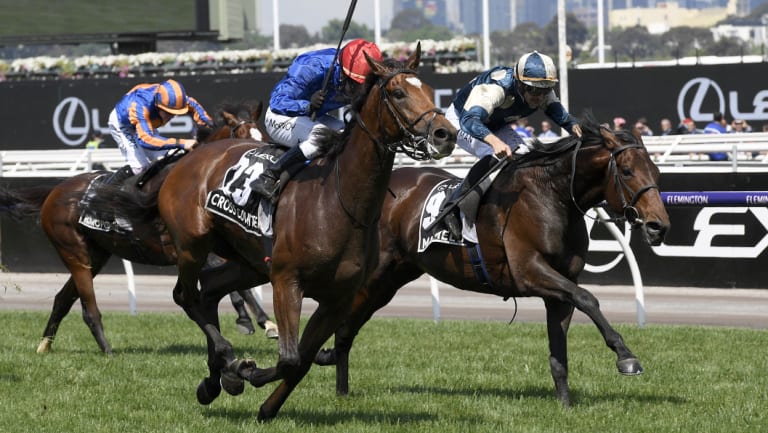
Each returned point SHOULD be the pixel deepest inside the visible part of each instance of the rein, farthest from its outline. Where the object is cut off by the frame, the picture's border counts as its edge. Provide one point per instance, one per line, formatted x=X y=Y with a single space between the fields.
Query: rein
x=631 y=214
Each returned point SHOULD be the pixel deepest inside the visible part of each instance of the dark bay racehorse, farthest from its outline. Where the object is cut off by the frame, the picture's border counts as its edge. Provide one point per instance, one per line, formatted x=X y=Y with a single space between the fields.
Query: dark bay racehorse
x=532 y=235
x=85 y=251
x=325 y=226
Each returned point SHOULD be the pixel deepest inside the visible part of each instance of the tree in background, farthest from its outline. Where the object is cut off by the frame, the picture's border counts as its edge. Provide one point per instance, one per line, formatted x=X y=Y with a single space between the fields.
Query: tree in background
x=411 y=25
x=332 y=31
x=295 y=36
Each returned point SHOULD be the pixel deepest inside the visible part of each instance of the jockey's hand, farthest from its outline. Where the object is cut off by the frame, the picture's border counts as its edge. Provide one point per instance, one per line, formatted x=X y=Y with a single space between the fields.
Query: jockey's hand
x=500 y=148
x=576 y=130
x=189 y=143
x=316 y=101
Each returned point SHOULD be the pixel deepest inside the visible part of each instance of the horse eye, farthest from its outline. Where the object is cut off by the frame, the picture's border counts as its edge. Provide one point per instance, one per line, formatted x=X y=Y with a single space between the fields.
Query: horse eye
x=399 y=94
x=626 y=171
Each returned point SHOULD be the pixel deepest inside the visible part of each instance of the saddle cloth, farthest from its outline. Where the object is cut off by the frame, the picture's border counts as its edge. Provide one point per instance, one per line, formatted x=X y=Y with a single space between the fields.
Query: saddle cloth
x=100 y=219
x=231 y=200
x=431 y=209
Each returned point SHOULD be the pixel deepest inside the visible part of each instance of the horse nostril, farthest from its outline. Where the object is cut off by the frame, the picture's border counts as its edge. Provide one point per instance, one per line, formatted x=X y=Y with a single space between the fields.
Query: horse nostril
x=656 y=228
x=441 y=134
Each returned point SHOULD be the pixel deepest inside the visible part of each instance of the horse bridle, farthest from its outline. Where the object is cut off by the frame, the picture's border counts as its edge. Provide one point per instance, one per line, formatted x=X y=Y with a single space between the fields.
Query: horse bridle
x=415 y=146
x=631 y=214
x=236 y=127
x=411 y=145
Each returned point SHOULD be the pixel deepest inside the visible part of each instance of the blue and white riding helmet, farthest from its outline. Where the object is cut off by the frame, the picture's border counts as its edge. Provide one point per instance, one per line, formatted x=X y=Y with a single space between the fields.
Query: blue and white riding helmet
x=536 y=70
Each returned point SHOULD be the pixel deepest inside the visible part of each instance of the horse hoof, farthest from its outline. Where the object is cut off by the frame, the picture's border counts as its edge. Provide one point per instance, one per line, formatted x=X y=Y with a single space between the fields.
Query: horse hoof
x=264 y=416
x=270 y=329
x=326 y=357
x=207 y=391
x=245 y=328
x=45 y=345
x=232 y=383
x=629 y=367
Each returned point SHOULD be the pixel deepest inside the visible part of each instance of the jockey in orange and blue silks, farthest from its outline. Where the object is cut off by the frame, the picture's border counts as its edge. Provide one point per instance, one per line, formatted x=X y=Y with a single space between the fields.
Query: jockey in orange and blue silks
x=134 y=121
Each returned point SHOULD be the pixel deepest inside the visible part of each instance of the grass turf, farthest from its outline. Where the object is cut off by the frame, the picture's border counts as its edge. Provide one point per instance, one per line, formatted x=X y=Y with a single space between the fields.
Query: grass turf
x=406 y=376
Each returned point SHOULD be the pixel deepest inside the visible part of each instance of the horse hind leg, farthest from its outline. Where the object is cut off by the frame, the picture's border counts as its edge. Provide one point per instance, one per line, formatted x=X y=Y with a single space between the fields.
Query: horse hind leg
x=558 y=321
x=83 y=279
x=243 y=322
x=262 y=318
x=62 y=303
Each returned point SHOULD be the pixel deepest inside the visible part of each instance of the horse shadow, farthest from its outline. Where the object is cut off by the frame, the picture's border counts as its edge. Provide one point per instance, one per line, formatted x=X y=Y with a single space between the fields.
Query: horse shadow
x=578 y=398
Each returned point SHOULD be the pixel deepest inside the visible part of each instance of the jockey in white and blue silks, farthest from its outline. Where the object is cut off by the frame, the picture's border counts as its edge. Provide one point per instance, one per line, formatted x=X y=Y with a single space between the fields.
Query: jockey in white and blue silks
x=483 y=110
x=300 y=93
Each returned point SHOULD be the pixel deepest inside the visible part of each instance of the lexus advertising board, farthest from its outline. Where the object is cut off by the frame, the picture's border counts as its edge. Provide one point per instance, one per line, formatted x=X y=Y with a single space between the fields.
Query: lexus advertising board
x=708 y=246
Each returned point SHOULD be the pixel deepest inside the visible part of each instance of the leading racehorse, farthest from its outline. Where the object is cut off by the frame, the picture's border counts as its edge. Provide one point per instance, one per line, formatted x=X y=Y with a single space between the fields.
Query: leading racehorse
x=531 y=234
x=325 y=226
x=84 y=251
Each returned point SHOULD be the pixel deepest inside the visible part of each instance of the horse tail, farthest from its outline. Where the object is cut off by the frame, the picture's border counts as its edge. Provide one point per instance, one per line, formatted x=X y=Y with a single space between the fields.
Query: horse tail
x=24 y=203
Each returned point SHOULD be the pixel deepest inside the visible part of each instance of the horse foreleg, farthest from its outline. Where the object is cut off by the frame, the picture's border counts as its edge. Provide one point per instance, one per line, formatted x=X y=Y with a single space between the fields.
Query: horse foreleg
x=627 y=363
x=558 y=321
x=205 y=314
x=321 y=325
x=62 y=303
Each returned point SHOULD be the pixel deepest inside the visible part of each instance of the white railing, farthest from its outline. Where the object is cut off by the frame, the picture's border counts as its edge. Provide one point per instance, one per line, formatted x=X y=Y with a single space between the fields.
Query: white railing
x=58 y=163
x=747 y=152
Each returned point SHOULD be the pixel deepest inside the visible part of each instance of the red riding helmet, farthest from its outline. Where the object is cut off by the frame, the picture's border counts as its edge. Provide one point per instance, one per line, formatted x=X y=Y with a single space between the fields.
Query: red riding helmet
x=172 y=97
x=353 y=61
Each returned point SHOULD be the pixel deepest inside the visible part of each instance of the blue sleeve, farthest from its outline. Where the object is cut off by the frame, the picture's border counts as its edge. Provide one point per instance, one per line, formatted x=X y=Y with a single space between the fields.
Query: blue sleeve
x=200 y=115
x=557 y=113
x=473 y=121
x=292 y=94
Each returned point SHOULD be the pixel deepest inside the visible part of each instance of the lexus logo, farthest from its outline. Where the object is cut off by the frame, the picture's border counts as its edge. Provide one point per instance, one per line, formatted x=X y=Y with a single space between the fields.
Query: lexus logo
x=701 y=97
x=71 y=121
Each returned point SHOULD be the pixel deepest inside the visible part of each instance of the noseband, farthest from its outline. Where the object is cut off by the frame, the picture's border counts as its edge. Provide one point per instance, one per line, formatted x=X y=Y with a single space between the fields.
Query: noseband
x=415 y=146
x=631 y=214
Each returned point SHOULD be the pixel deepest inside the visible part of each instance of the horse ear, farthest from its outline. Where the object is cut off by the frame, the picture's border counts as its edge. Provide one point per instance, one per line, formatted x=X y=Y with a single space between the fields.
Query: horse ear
x=609 y=138
x=229 y=118
x=256 y=113
x=413 y=61
x=376 y=66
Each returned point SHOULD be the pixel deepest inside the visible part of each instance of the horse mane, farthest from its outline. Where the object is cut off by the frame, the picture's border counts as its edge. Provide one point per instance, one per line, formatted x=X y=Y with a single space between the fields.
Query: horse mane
x=548 y=153
x=333 y=142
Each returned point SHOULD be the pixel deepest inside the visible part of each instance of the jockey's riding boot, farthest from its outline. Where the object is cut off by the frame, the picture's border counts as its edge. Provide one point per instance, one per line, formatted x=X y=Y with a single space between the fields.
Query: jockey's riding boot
x=291 y=161
x=452 y=220
x=119 y=176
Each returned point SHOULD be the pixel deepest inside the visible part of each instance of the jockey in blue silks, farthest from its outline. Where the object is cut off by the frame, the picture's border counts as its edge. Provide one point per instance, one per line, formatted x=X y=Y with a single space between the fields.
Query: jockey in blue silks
x=300 y=93
x=484 y=108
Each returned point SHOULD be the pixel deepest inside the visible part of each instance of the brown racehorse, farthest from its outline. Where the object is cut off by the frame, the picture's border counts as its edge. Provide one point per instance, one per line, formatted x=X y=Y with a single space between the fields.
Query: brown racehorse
x=85 y=251
x=325 y=226
x=532 y=236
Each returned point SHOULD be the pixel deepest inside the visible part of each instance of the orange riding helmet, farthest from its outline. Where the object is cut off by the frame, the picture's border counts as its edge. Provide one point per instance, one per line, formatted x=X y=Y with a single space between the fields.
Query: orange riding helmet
x=172 y=97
